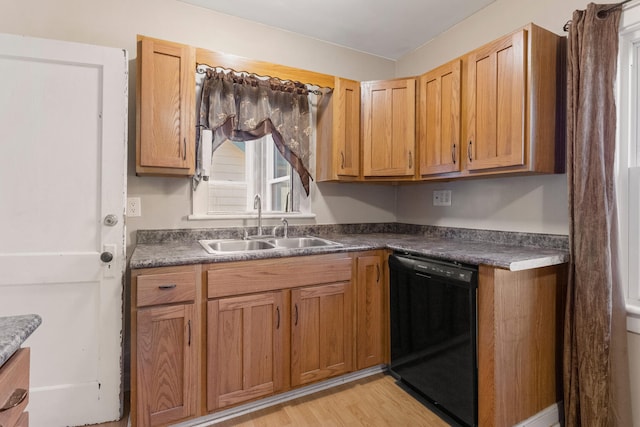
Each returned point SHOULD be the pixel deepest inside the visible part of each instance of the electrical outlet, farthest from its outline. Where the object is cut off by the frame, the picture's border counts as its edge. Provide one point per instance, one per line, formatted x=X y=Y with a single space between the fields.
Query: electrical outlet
x=134 y=207
x=442 y=198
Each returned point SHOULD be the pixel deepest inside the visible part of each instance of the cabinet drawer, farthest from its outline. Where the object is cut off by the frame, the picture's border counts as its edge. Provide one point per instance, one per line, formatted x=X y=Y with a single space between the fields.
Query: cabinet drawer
x=14 y=387
x=244 y=277
x=166 y=287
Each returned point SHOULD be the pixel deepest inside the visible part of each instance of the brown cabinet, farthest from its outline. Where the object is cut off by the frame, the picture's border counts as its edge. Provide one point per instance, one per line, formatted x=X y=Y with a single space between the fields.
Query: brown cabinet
x=165 y=343
x=514 y=104
x=338 y=133
x=439 y=93
x=372 y=313
x=276 y=323
x=246 y=346
x=388 y=123
x=165 y=134
x=520 y=322
x=14 y=390
x=321 y=332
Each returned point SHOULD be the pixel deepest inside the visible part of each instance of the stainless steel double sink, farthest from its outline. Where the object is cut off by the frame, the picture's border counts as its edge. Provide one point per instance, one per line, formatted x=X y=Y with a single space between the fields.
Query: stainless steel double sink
x=267 y=243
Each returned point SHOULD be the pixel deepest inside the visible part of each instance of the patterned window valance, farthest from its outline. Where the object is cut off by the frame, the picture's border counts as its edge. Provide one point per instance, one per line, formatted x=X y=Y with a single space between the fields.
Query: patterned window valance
x=245 y=107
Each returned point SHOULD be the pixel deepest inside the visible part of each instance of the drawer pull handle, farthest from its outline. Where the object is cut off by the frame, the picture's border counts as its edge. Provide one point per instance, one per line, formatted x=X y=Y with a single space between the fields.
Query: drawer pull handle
x=378 y=273
x=189 y=340
x=469 y=152
x=167 y=287
x=16 y=398
x=296 y=322
x=453 y=154
x=278 y=317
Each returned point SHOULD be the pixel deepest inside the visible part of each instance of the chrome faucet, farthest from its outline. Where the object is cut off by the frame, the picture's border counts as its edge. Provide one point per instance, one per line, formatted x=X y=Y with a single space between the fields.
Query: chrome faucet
x=257 y=204
x=285 y=225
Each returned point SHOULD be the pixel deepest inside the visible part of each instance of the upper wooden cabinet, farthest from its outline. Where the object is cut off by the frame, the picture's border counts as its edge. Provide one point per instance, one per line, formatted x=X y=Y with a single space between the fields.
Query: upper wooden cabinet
x=388 y=123
x=439 y=119
x=514 y=104
x=165 y=134
x=338 y=138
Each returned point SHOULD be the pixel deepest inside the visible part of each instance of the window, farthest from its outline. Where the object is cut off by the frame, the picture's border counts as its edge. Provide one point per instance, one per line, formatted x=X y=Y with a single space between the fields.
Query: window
x=240 y=170
x=628 y=160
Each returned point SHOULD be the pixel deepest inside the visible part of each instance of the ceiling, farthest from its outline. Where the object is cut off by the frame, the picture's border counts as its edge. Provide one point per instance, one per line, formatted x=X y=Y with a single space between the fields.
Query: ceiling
x=389 y=29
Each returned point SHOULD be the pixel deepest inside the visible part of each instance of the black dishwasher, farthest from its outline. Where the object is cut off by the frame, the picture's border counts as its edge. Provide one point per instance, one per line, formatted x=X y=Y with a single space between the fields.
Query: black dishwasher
x=433 y=333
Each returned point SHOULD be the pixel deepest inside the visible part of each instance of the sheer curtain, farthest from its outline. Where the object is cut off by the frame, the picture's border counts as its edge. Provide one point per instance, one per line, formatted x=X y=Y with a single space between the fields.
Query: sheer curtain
x=596 y=378
x=241 y=107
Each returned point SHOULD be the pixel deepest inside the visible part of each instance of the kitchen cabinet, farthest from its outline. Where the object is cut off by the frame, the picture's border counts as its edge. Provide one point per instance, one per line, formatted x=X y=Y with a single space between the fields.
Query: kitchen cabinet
x=165 y=97
x=388 y=123
x=246 y=345
x=321 y=332
x=372 y=312
x=520 y=323
x=439 y=92
x=14 y=389
x=276 y=323
x=338 y=133
x=165 y=344
x=515 y=105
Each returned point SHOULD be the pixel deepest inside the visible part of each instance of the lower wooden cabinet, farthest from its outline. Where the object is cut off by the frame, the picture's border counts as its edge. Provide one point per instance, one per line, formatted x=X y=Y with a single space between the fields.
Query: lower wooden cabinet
x=321 y=332
x=14 y=389
x=371 y=316
x=164 y=345
x=245 y=348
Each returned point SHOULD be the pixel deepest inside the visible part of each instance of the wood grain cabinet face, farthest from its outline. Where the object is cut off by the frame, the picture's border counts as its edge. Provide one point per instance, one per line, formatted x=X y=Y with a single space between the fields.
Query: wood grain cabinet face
x=439 y=119
x=370 y=317
x=388 y=123
x=245 y=348
x=165 y=140
x=338 y=139
x=14 y=388
x=321 y=332
x=165 y=345
x=497 y=77
x=166 y=363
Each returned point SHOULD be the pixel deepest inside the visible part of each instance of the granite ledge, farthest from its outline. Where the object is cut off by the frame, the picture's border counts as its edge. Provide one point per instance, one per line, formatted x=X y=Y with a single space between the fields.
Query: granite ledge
x=14 y=330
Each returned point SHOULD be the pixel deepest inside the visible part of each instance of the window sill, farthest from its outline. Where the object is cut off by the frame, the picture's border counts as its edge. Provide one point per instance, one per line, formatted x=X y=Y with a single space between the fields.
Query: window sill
x=275 y=215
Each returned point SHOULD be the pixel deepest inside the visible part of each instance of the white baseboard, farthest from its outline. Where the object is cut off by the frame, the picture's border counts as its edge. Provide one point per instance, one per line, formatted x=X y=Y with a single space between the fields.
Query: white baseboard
x=209 y=420
x=549 y=417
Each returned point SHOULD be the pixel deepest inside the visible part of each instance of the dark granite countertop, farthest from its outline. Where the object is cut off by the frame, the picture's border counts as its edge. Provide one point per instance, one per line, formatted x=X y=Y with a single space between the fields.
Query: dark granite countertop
x=512 y=251
x=14 y=330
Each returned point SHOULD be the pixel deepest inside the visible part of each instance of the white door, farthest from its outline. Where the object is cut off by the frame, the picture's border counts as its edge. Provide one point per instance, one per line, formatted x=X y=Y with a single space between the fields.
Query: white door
x=63 y=119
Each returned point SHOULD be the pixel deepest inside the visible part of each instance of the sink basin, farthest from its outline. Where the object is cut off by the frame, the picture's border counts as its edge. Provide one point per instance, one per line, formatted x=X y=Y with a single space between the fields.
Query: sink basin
x=217 y=246
x=238 y=245
x=302 y=242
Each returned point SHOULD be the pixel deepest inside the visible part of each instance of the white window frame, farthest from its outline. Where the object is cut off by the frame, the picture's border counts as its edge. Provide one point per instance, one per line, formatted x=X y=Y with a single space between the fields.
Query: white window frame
x=628 y=161
x=200 y=201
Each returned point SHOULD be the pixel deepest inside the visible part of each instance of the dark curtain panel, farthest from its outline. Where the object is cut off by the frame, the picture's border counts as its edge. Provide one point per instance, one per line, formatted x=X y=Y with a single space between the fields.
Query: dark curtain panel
x=245 y=107
x=596 y=379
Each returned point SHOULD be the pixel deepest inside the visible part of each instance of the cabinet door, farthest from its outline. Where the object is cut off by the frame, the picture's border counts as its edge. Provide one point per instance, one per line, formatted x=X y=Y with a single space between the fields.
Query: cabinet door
x=370 y=318
x=388 y=114
x=322 y=332
x=166 y=364
x=439 y=135
x=347 y=127
x=496 y=104
x=338 y=133
x=246 y=336
x=166 y=91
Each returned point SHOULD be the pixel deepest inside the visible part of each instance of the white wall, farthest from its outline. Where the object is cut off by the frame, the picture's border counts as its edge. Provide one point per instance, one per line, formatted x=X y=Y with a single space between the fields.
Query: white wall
x=530 y=204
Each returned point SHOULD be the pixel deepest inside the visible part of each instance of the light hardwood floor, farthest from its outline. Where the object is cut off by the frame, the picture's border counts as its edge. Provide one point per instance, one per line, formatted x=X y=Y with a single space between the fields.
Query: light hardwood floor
x=374 y=401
